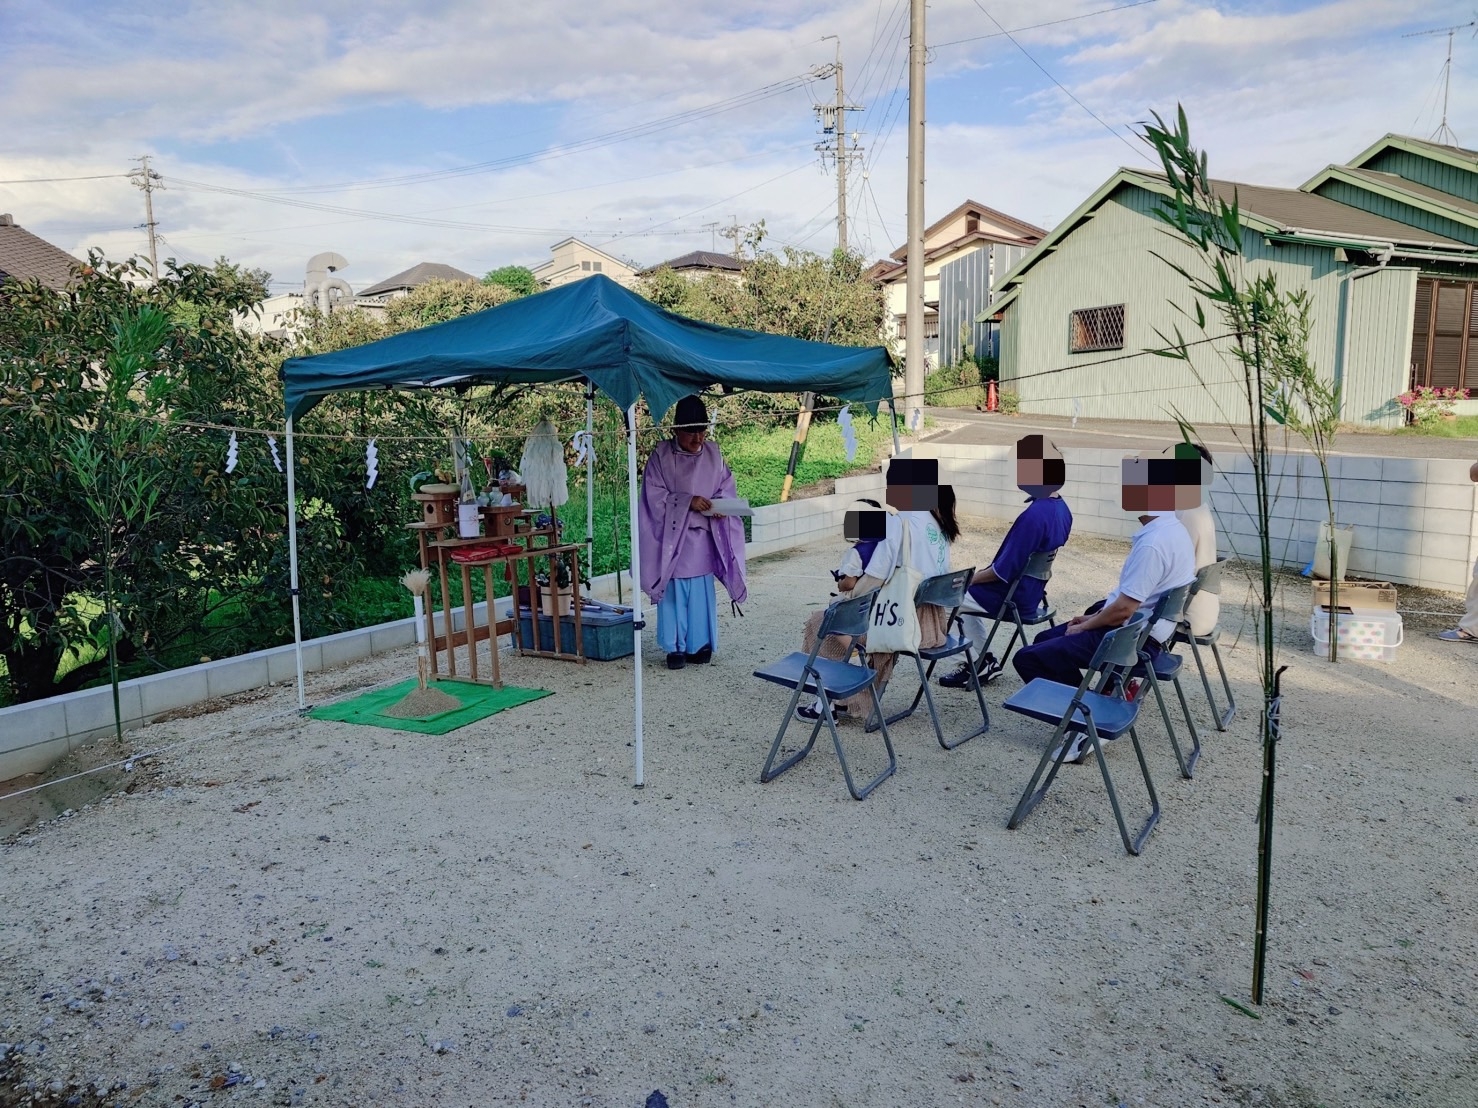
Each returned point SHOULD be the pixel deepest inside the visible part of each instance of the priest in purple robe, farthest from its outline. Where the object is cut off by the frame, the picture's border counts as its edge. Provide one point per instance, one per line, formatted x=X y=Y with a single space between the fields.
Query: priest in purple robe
x=682 y=549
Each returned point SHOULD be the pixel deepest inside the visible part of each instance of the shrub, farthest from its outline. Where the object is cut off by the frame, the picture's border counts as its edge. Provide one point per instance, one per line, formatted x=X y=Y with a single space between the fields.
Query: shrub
x=1426 y=405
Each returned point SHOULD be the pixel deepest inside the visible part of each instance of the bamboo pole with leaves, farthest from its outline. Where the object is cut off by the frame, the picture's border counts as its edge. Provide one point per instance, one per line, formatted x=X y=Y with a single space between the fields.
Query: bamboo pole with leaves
x=1254 y=312
x=110 y=461
x=1309 y=407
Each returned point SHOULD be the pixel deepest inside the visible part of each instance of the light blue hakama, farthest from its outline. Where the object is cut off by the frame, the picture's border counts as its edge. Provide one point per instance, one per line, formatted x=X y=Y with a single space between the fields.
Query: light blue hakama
x=687 y=616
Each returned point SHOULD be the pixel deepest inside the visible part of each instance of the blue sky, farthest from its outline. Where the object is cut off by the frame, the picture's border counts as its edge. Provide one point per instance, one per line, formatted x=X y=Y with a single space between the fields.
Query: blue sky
x=569 y=115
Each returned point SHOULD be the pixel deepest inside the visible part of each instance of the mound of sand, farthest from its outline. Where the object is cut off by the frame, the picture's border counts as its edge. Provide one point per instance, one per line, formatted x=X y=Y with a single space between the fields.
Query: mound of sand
x=423 y=704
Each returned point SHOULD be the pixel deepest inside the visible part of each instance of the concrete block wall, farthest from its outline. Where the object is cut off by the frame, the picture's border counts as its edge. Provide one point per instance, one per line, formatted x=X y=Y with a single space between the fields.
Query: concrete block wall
x=1415 y=520
x=34 y=735
x=778 y=527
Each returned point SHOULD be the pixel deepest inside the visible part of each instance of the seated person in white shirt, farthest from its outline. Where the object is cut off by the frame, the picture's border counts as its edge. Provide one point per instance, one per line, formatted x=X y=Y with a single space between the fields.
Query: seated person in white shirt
x=1161 y=558
x=1205 y=607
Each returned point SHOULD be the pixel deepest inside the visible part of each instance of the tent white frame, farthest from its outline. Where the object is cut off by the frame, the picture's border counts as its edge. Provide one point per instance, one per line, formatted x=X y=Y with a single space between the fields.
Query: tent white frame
x=638 y=622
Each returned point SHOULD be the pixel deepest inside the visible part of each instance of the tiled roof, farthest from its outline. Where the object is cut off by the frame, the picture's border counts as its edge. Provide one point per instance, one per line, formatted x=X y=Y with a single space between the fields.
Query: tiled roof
x=702 y=259
x=1293 y=208
x=418 y=275
x=24 y=257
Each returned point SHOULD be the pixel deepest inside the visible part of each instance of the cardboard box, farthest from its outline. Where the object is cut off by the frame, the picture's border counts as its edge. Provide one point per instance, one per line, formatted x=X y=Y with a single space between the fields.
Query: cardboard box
x=1358 y=596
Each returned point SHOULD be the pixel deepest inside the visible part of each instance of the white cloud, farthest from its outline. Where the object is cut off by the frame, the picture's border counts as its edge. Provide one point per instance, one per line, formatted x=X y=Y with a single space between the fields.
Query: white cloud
x=1273 y=94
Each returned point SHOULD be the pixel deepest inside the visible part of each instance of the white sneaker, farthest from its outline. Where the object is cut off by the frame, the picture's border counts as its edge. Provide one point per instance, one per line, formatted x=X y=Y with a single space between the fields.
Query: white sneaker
x=1077 y=748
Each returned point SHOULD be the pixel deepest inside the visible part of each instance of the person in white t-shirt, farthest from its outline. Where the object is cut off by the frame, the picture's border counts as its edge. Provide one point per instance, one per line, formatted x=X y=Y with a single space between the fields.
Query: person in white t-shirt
x=1161 y=558
x=867 y=566
x=1205 y=607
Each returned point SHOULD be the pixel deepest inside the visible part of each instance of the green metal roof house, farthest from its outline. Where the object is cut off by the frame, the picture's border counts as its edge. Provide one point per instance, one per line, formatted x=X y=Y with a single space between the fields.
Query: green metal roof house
x=1386 y=246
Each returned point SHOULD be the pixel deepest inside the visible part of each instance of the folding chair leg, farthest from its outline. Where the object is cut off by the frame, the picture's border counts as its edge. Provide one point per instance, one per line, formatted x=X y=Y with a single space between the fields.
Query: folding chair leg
x=770 y=771
x=1226 y=718
x=917 y=697
x=836 y=739
x=1218 y=717
x=934 y=715
x=1032 y=795
x=1185 y=710
x=1135 y=845
x=1154 y=683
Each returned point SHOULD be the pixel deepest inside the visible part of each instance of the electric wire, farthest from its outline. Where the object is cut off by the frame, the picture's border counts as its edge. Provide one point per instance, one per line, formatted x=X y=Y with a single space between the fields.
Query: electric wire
x=1039 y=26
x=59 y=180
x=1139 y=152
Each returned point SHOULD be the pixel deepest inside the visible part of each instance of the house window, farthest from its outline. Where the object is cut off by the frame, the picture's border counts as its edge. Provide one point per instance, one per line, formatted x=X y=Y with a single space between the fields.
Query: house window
x=931 y=327
x=1096 y=329
x=1444 y=329
x=595 y=266
x=585 y=266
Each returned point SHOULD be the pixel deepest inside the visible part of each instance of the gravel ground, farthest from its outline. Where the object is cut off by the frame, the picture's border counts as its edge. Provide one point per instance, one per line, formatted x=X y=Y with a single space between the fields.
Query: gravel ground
x=287 y=911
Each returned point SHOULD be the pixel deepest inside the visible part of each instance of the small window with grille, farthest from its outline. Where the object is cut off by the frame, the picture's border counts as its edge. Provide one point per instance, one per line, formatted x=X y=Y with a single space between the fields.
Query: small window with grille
x=585 y=265
x=1096 y=329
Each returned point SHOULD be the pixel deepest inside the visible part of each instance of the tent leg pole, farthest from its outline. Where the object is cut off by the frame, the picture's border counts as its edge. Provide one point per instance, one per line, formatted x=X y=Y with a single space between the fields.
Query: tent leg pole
x=590 y=484
x=292 y=564
x=893 y=414
x=636 y=619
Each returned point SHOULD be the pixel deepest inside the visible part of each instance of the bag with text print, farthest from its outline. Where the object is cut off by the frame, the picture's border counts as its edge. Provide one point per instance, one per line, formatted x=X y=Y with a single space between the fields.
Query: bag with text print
x=894 y=625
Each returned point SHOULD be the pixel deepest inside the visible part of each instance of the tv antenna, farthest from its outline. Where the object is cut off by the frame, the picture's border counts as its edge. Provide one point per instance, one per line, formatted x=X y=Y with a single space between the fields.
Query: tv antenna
x=1445 y=134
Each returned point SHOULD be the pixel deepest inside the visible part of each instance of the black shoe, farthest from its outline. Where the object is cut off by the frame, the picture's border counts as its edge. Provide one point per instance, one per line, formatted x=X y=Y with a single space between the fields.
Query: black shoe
x=987 y=669
x=702 y=658
x=676 y=661
x=959 y=679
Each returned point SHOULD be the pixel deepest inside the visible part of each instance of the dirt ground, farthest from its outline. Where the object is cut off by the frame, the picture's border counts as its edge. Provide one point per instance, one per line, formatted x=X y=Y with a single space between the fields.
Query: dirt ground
x=285 y=911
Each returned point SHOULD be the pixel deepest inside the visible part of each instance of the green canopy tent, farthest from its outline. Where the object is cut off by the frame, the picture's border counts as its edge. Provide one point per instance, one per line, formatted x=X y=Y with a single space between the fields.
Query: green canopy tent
x=591 y=331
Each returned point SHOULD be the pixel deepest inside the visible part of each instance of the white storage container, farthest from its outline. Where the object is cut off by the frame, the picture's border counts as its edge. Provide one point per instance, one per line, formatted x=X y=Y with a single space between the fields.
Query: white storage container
x=1365 y=634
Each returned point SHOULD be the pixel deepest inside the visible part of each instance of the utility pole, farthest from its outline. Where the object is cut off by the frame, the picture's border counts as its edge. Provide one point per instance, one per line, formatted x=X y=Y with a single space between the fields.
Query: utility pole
x=1444 y=133
x=712 y=229
x=913 y=365
x=147 y=180
x=833 y=119
x=736 y=233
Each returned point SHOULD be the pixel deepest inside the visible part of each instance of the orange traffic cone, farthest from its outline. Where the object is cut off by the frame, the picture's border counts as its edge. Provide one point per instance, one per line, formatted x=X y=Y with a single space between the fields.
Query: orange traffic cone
x=992 y=401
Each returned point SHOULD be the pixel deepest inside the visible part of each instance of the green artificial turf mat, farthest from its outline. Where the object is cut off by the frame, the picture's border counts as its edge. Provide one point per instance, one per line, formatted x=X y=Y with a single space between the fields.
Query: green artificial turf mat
x=478 y=702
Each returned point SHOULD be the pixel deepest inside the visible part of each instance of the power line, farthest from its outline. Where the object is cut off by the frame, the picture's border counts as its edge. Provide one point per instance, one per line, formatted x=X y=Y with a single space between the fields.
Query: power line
x=1039 y=26
x=59 y=180
x=1138 y=152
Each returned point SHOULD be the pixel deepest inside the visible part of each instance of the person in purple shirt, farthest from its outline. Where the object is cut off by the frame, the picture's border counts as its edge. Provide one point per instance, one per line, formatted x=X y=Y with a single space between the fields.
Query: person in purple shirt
x=683 y=549
x=1043 y=525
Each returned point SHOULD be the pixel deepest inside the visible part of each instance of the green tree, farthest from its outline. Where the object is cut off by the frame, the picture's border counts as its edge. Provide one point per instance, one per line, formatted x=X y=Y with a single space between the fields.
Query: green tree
x=67 y=368
x=517 y=279
x=823 y=298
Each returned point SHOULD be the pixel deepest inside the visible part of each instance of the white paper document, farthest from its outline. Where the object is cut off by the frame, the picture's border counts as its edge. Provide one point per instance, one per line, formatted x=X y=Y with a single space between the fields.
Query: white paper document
x=730 y=506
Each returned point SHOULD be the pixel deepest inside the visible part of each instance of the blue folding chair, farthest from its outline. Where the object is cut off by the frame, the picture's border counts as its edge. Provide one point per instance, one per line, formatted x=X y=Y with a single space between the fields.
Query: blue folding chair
x=830 y=681
x=945 y=590
x=1098 y=709
x=1039 y=566
x=1165 y=666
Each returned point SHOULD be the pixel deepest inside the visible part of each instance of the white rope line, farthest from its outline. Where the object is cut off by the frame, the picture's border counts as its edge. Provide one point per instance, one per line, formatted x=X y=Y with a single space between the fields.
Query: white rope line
x=154 y=752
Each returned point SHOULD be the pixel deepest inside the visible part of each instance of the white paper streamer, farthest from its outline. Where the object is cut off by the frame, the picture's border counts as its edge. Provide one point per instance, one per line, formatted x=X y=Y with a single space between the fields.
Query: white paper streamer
x=1077 y=410
x=276 y=457
x=371 y=464
x=582 y=444
x=231 y=454
x=849 y=433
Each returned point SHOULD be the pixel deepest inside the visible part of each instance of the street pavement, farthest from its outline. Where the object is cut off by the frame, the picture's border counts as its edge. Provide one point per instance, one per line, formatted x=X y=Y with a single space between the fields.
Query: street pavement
x=966 y=427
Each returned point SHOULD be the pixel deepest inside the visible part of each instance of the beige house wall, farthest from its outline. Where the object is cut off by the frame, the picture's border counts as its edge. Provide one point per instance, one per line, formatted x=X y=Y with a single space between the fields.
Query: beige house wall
x=573 y=259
